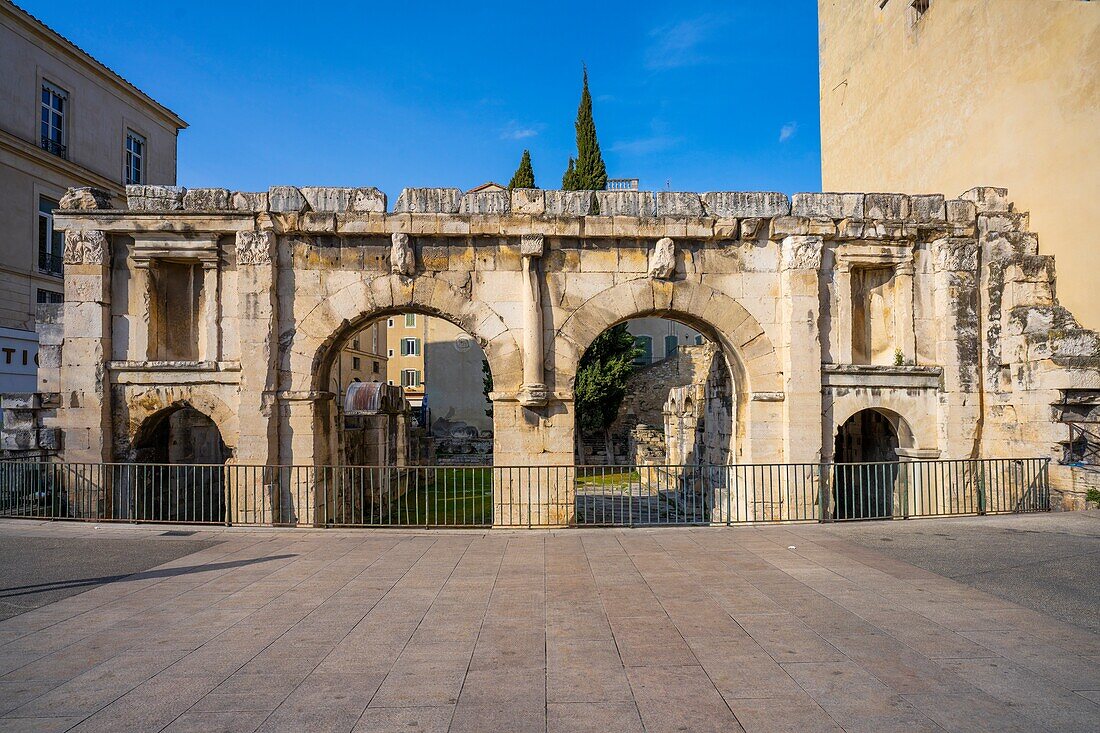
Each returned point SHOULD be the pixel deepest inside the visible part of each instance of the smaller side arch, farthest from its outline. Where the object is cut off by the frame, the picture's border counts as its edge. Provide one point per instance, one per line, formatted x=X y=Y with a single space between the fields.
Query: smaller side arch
x=140 y=410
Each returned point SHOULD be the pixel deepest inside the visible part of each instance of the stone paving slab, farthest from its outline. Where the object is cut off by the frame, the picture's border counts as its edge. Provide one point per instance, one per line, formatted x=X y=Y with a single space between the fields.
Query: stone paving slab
x=787 y=628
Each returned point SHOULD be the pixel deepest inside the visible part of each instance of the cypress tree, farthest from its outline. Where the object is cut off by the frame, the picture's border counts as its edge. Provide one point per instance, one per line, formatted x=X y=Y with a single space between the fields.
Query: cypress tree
x=590 y=172
x=568 y=179
x=524 y=177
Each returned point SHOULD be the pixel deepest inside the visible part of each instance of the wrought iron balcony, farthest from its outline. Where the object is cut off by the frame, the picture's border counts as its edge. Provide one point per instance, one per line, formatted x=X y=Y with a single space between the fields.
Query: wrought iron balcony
x=51 y=264
x=55 y=147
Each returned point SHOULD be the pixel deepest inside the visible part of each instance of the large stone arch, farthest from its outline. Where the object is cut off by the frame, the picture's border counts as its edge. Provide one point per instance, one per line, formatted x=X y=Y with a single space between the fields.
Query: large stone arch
x=332 y=321
x=747 y=348
x=140 y=407
x=310 y=437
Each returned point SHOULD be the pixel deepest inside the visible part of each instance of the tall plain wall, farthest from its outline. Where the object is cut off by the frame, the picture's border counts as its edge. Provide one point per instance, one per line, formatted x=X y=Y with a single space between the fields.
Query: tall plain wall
x=1006 y=91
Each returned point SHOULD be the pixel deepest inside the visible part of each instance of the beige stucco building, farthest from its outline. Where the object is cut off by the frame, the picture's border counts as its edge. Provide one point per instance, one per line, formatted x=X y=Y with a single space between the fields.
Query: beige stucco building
x=65 y=120
x=937 y=95
x=364 y=357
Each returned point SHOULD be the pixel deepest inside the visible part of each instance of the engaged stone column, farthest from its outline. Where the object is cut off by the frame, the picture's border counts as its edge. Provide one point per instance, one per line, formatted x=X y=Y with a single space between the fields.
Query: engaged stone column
x=209 y=339
x=906 y=336
x=533 y=393
x=800 y=354
x=85 y=382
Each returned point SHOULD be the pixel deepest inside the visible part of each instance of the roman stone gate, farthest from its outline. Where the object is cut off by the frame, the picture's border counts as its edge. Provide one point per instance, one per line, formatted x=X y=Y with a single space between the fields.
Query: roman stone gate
x=939 y=315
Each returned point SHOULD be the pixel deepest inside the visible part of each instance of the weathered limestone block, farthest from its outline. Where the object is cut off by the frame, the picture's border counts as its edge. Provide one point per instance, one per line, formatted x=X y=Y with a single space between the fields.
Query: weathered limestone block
x=369 y=200
x=626 y=203
x=744 y=204
x=206 y=199
x=960 y=211
x=890 y=206
x=801 y=253
x=86 y=247
x=402 y=257
x=486 y=202
x=752 y=227
x=254 y=202
x=286 y=200
x=1004 y=222
x=531 y=245
x=927 y=208
x=255 y=248
x=832 y=205
x=1005 y=245
x=568 y=203
x=662 y=260
x=674 y=203
x=155 y=198
x=955 y=255
x=85 y=198
x=428 y=201
x=528 y=201
x=988 y=199
x=328 y=199
x=788 y=226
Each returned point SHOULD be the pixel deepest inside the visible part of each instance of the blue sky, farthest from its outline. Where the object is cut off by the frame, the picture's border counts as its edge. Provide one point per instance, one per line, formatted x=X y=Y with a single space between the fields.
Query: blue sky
x=691 y=96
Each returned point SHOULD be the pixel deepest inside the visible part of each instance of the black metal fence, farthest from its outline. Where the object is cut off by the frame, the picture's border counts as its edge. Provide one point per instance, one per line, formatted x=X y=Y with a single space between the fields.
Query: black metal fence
x=519 y=496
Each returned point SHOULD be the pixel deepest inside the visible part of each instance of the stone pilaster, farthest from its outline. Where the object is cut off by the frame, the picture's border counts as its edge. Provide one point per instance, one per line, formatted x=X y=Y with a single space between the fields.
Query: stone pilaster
x=905 y=337
x=800 y=352
x=842 y=317
x=958 y=343
x=257 y=312
x=87 y=347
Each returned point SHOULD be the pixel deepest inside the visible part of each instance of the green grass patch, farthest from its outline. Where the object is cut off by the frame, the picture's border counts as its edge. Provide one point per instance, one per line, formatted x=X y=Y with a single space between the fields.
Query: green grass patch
x=447 y=497
x=605 y=477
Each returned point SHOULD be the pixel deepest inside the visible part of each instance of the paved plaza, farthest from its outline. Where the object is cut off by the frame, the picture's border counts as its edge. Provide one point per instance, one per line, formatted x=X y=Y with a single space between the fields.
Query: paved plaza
x=794 y=628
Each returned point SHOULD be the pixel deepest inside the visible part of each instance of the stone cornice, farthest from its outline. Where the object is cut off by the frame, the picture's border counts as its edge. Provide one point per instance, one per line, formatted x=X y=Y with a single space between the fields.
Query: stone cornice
x=438 y=225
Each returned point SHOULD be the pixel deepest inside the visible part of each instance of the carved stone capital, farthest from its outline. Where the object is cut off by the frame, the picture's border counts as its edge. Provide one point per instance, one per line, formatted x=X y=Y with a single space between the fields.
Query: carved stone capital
x=533 y=395
x=86 y=247
x=402 y=257
x=662 y=259
x=85 y=198
x=801 y=253
x=532 y=245
x=255 y=248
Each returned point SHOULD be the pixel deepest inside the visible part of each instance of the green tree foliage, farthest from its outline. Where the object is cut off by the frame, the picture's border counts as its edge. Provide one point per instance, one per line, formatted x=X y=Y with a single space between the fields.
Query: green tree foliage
x=601 y=379
x=569 y=178
x=524 y=177
x=588 y=172
x=487 y=385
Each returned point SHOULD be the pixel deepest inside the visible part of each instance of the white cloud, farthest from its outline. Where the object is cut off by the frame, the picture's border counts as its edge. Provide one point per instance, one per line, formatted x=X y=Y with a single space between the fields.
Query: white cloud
x=515 y=131
x=787 y=131
x=676 y=45
x=645 y=145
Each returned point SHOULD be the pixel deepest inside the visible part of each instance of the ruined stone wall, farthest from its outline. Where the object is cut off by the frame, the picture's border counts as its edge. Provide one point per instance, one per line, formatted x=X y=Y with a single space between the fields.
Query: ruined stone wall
x=282 y=278
x=647 y=389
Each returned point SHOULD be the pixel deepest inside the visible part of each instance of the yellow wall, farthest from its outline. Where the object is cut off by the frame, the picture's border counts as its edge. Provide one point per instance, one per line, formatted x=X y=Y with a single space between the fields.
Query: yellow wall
x=975 y=93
